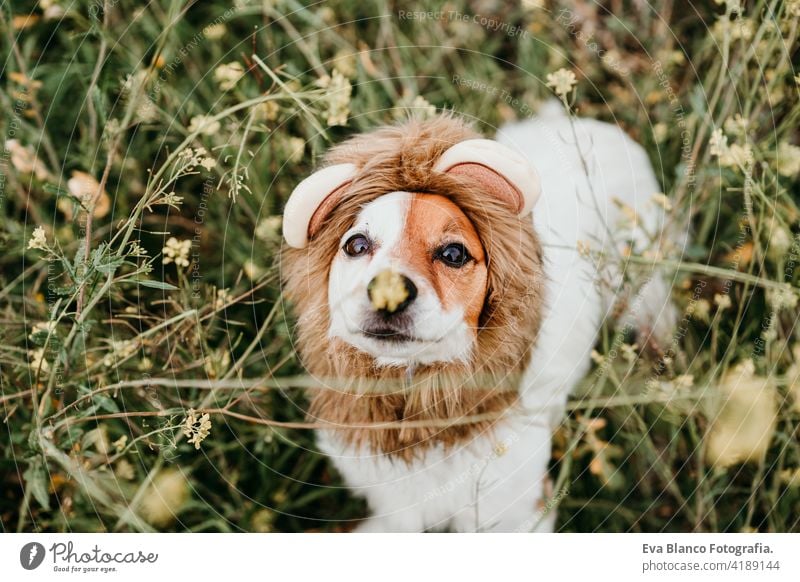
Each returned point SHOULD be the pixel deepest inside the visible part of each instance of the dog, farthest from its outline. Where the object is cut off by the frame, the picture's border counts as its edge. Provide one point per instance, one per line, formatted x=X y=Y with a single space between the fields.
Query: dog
x=447 y=304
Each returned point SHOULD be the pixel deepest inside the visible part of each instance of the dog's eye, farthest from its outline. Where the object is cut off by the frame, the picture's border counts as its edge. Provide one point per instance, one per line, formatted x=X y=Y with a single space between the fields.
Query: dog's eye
x=453 y=255
x=357 y=245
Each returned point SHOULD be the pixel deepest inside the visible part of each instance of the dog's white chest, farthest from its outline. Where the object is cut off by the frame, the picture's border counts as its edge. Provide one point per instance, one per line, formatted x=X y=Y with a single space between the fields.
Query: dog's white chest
x=494 y=483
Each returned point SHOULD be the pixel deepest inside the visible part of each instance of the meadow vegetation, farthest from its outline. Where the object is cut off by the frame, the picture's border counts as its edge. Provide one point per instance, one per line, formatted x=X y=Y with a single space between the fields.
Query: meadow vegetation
x=147 y=372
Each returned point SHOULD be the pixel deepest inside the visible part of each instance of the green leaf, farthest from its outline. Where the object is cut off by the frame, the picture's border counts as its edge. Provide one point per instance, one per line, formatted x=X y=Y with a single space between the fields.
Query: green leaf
x=103 y=261
x=109 y=265
x=55 y=190
x=106 y=403
x=39 y=338
x=72 y=434
x=156 y=284
x=80 y=257
x=36 y=479
x=64 y=291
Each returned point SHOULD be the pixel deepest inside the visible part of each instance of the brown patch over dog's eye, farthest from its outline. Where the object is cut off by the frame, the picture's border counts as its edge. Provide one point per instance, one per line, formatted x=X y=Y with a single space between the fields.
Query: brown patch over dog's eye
x=357 y=246
x=453 y=255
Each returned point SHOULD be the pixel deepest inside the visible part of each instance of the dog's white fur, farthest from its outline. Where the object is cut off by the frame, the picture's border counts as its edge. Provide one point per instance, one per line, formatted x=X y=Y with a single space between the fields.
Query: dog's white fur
x=498 y=482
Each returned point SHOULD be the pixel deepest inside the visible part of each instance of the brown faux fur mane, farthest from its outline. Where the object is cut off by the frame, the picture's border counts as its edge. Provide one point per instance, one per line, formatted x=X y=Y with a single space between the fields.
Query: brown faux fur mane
x=401 y=158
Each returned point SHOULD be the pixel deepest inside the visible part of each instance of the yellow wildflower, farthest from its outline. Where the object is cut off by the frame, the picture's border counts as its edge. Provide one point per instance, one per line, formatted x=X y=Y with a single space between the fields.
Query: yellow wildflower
x=561 y=82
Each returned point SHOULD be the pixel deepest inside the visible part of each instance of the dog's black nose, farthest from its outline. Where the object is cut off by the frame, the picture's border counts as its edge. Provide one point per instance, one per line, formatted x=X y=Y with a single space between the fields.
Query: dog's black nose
x=390 y=292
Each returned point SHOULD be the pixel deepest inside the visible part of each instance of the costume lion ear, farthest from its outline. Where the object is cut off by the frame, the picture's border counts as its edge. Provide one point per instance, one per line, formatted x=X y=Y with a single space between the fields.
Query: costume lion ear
x=312 y=200
x=504 y=173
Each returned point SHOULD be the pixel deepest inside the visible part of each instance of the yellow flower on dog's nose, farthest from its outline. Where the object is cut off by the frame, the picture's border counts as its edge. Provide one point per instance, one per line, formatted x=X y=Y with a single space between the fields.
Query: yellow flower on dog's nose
x=387 y=291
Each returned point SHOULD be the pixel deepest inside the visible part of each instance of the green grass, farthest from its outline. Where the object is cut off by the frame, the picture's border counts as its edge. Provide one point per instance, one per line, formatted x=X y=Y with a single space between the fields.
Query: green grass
x=110 y=89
